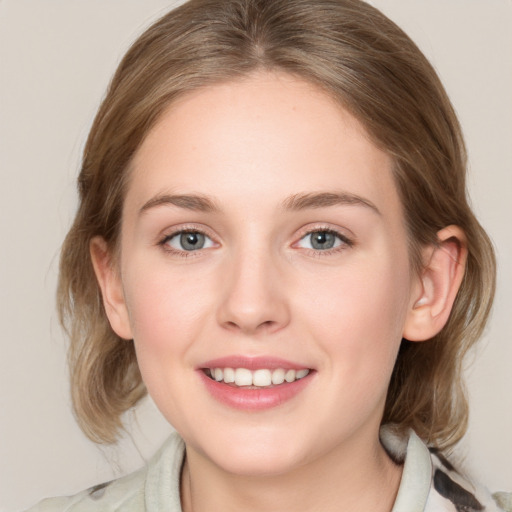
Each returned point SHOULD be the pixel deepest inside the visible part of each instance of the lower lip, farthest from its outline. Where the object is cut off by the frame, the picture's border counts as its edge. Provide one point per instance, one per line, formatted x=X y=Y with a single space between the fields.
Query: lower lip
x=254 y=399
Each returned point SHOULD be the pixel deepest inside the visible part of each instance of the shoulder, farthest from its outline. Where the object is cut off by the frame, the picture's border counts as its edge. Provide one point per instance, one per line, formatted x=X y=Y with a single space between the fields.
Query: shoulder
x=133 y=492
x=126 y=493
x=503 y=500
x=452 y=486
x=432 y=483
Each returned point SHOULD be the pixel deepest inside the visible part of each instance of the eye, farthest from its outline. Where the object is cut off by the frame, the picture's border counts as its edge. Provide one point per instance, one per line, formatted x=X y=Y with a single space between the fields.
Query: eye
x=323 y=240
x=188 y=241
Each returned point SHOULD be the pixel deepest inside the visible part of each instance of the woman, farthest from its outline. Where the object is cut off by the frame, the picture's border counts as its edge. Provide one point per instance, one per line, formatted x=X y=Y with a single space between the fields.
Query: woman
x=274 y=240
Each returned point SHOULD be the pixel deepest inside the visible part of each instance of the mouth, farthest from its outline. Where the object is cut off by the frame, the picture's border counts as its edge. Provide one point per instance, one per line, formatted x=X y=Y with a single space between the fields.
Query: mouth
x=255 y=384
x=262 y=378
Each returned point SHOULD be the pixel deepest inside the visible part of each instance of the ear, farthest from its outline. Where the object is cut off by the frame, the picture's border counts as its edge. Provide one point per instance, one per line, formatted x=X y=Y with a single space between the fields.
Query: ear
x=109 y=280
x=437 y=286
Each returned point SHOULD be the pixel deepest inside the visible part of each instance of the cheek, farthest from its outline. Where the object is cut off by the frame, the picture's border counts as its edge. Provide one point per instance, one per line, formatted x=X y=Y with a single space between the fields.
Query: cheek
x=166 y=315
x=357 y=315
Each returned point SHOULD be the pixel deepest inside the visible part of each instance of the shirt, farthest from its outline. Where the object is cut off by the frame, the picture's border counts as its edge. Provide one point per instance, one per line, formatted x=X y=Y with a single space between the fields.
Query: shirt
x=429 y=484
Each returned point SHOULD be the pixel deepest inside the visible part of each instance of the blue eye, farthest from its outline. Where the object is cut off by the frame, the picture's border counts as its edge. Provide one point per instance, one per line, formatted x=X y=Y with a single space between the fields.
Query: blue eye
x=188 y=241
x=322 y=240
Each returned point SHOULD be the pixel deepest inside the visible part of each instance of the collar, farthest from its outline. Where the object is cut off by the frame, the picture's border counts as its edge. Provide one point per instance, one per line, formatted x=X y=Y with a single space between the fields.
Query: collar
x=162 y=487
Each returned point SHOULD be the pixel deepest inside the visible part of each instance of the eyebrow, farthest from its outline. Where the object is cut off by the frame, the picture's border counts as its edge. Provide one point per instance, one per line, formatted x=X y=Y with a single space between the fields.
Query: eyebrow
x=326 y=199
x=296 y=202
x=194 y=202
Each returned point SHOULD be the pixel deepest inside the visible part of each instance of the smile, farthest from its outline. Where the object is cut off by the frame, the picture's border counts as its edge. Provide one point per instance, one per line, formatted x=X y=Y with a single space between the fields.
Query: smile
x=261 y=378
x=255 y=383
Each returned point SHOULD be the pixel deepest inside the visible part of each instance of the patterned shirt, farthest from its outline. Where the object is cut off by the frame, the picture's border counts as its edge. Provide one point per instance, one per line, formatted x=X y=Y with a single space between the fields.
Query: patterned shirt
x=429 y=484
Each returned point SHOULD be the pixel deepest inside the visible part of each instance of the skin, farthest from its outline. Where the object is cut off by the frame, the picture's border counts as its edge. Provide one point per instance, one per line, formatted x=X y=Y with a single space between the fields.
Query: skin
x=258 y=288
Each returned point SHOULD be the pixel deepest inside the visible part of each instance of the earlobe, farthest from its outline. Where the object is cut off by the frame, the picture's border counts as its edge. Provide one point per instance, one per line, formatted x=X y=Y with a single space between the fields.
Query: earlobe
x=109 y=281
x=438 y=284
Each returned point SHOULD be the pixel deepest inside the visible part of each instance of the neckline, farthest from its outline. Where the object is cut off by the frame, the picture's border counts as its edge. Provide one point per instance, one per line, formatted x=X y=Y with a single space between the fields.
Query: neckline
x=162 y=487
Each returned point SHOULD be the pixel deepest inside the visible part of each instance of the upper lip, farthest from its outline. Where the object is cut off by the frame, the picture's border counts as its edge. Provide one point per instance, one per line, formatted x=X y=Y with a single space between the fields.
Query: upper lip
x=253 y=363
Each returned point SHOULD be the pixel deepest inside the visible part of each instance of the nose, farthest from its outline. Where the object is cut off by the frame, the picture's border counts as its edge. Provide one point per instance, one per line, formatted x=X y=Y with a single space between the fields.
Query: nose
x=253 y=295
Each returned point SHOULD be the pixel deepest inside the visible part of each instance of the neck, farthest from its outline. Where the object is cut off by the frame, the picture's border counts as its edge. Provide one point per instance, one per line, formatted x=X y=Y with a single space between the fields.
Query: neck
x=358 y=477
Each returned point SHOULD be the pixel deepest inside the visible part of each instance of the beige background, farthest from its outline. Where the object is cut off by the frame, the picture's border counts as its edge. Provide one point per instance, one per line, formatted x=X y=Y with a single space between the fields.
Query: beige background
x=56 y=57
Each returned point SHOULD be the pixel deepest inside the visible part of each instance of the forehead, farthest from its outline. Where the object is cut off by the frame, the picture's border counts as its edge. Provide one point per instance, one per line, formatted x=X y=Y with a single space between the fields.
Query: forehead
x=264 y=137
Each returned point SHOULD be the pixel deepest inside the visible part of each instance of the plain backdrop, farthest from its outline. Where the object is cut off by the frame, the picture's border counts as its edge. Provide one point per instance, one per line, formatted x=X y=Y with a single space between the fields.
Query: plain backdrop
x=56 y=58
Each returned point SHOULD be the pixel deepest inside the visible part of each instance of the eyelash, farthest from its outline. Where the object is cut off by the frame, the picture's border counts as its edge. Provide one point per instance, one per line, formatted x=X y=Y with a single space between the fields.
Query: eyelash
x=345 y=242
x=181 y=253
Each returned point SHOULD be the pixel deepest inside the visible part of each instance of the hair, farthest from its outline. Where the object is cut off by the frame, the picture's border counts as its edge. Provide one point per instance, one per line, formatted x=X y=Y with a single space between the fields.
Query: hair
x=373 y=69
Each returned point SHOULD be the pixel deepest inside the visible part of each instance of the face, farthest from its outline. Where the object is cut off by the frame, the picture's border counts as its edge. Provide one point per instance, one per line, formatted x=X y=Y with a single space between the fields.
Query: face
x=263 y=241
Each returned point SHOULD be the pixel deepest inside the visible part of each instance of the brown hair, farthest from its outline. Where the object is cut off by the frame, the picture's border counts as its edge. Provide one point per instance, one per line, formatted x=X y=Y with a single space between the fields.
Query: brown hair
x=374 y=70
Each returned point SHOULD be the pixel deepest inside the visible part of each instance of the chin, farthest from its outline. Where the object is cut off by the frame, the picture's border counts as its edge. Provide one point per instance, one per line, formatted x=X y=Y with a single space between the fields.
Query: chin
x=256 y=455
x=258 y=465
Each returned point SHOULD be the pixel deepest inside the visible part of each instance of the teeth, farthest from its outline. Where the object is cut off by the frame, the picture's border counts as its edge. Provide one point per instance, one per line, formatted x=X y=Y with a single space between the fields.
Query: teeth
x=243 y=377
x=229 y=375
x=277 y=377
x=259 y=378
x=301 y=374
x=290 y=375
x=262 y=378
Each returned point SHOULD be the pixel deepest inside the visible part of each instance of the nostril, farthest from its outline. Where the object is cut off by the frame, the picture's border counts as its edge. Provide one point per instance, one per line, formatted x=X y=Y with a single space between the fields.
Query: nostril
x=248 y=327
x=268 y=324
x=232 y=325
